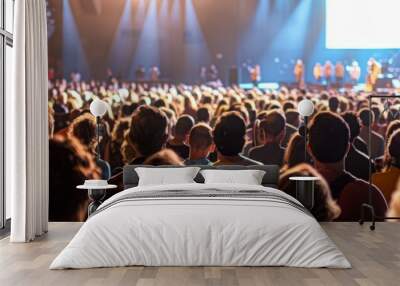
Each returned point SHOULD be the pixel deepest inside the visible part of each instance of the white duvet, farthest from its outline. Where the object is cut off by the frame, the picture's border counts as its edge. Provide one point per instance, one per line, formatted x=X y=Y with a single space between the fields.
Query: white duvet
x=201 y=231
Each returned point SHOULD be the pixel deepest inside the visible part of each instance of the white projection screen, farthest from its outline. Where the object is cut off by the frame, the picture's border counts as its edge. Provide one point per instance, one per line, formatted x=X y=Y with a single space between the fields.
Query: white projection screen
x=362 y=24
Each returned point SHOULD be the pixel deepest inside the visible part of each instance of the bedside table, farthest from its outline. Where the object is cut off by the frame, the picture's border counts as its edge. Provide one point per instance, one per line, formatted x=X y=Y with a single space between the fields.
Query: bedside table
x=96 y=195
x=305 y=190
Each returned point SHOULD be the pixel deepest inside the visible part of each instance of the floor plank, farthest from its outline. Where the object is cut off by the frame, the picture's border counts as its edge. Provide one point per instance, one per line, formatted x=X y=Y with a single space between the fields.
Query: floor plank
x=375 y=257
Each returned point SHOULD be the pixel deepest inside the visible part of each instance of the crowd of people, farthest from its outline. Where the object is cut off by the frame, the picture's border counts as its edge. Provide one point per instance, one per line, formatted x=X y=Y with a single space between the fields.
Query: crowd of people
x=201 y=125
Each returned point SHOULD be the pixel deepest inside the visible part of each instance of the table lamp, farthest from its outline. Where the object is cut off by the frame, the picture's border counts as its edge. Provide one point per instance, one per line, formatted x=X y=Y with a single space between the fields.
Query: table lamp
x=98 y=108
x=305 y=109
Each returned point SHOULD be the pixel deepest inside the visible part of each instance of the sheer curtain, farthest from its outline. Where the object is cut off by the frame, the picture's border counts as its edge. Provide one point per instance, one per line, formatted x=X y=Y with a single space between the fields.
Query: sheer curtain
x=26 y=124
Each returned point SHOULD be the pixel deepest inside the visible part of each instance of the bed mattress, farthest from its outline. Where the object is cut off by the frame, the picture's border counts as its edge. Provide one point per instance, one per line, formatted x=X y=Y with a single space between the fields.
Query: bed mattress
x=201 y=225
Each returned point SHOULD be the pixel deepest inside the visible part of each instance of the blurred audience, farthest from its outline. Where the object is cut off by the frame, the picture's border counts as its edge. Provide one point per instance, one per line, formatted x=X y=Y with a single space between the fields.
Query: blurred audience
x=147 y=135
x=170 y=124
x=329 y=143
x=70 y=164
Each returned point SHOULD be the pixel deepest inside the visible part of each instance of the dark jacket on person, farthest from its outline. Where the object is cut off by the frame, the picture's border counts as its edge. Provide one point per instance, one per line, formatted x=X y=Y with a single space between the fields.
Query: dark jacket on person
x=350 y=193
x=361 y=145
x=182 y=150
x=289 y=131
x=357 y=163
x=268 y=154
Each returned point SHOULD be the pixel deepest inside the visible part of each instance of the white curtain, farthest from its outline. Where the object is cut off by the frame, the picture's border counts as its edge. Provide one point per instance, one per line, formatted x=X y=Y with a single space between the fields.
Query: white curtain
x=26 y=124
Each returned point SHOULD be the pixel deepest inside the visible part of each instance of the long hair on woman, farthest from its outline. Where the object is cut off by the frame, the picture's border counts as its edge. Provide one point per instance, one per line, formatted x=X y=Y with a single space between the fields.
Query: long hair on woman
x=70 y=164
x=325 y=208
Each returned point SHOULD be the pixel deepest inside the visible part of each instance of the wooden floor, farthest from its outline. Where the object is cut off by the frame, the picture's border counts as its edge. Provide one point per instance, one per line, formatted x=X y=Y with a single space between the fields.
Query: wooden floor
x=375 y=257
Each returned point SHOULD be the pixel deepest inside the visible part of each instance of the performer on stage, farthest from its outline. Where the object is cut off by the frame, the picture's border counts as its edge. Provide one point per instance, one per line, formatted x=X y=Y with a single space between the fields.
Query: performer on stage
x=328 y=72
x=339 y=73
x=212 y=74
x=154 y=74
x=317 y=72
x=255 y=74
x=140 y=73
x=299 y=72
x=374 y=70
x=203 y=74
x=354 y=71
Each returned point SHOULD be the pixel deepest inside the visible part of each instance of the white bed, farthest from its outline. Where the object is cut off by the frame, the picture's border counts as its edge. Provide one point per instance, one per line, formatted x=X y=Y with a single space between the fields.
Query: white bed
x=225 y=225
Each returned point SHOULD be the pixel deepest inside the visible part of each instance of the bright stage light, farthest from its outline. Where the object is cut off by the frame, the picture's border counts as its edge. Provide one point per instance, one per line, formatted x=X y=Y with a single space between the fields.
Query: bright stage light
x=362 y=24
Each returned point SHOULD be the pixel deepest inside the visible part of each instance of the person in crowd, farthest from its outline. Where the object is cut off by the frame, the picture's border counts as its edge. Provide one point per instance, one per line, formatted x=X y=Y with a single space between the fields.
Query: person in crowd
x=387 y=180
x=203 y=114
x=229 y=138
x=329 y=143
x=377 y=142
x=138 y=113
x=50 y=118
x=201 y=145
x=181 y=134
x=164 y=157
x=394 y=210
x=379 y=125
x=292 y=125
x=325 y=208
x=361 y=145
x=357 y=163
x=83 y=128
x=117 y=139
x=333 y=103
x=392 y=127
x=273 y=131
x=294 y=152
x=60 y=104
x=70 y=164
x=147 y=135
x=190 y=106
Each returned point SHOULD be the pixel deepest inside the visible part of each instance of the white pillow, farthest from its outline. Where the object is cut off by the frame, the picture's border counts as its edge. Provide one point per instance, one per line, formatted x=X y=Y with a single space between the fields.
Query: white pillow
x=248 y=177
x=166 y=176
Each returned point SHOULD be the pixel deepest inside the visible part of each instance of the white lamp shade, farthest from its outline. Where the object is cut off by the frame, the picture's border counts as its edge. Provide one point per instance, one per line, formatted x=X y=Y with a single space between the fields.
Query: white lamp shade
x=305 y=107
x=98 y=107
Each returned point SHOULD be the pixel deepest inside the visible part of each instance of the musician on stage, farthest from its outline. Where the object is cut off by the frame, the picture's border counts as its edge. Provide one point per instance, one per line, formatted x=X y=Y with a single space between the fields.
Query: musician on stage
x=328 y=72
x=255 y=74
x=317 y=72
x=299 y=72
x=374 y=70
x=154 y=74
x=354 y=71
x=339 y=73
